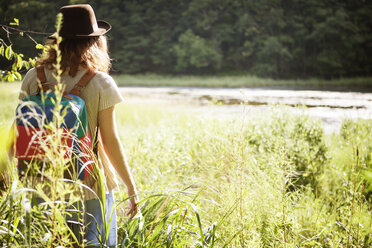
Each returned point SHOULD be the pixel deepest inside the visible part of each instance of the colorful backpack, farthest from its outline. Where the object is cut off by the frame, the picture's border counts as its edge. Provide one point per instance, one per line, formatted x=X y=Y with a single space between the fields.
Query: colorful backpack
x=34 y=117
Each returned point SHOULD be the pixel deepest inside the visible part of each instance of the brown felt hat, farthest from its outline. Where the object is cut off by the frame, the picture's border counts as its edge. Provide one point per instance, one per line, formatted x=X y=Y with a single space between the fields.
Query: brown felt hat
x=79 y=21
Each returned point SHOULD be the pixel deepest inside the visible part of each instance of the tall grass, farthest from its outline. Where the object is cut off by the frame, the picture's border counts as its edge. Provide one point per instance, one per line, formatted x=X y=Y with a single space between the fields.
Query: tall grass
x=272 y=179
x=260 y=180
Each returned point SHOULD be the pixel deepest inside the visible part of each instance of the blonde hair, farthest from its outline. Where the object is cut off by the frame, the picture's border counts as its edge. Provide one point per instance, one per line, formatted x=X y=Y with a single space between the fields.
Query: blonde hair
x=90 y=52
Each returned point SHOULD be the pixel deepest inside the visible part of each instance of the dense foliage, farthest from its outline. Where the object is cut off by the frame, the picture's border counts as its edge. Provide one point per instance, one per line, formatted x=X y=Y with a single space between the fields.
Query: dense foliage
x=279 y=39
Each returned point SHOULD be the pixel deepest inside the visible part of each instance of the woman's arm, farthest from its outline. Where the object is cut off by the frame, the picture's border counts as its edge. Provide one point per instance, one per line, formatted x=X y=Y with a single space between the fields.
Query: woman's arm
x=114 y=150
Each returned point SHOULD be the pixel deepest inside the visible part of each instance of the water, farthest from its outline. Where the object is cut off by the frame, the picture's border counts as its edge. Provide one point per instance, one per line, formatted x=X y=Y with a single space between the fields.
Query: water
x=331 y=107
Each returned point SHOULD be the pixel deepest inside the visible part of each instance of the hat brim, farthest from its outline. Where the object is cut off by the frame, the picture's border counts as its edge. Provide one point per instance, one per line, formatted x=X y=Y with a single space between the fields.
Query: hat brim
x=103 y=28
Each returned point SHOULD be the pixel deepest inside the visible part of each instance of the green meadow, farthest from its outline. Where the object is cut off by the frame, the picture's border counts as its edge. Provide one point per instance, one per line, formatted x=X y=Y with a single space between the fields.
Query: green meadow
x=271 y=179
x=241 y=80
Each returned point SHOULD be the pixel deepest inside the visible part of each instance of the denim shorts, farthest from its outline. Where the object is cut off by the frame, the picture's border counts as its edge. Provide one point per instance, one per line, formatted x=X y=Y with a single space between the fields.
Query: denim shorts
x=98 y=230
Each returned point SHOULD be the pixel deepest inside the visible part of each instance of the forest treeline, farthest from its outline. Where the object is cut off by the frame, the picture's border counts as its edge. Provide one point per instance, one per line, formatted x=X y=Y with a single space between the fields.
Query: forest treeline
x=269 y=38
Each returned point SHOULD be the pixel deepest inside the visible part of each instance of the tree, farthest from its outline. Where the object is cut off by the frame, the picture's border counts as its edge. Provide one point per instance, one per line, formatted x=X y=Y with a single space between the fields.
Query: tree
x=273 y=38
x=195 y=53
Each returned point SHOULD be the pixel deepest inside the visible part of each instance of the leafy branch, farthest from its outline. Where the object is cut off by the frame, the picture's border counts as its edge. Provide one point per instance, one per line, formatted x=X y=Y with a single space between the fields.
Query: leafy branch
x=18 y=62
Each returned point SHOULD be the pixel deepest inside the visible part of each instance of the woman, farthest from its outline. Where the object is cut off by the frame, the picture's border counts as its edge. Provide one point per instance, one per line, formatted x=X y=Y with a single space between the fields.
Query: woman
x=84 y=47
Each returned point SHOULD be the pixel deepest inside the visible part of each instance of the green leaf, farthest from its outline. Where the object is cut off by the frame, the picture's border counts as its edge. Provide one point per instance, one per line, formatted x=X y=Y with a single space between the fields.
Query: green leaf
x=15 y=23
x=10 y=77
x=26 y=64
x=19 y=62
x=31 y=62
x=39 y=46
x=169 y=236
x=2 y=50
x=9 y=52
x=18 y=75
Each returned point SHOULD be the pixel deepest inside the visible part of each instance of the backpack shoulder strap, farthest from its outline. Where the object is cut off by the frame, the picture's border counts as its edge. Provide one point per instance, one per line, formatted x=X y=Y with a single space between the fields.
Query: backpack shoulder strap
x=41 y=77
x=83 y=82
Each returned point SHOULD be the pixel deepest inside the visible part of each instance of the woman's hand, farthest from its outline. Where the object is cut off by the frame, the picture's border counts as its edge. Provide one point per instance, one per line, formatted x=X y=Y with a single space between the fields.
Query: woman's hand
x=114 y=150
x=133 y=204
